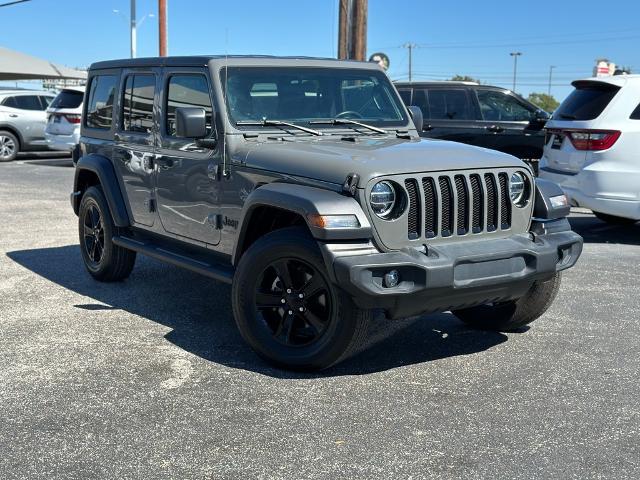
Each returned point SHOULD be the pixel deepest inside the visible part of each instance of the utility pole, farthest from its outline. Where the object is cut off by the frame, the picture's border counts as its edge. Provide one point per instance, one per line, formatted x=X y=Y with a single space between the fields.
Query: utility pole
x=162 y=28
x=132 y=19
x=515 y=56
x=410 y=46
x=550 y=77
x=352 y=30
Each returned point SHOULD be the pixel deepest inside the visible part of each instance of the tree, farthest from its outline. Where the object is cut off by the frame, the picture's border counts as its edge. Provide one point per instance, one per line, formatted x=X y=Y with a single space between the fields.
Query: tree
x=464 y=78
x=544 y=101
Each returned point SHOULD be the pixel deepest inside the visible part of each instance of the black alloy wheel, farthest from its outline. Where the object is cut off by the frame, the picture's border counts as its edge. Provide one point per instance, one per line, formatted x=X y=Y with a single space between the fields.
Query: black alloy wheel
x=93 y=235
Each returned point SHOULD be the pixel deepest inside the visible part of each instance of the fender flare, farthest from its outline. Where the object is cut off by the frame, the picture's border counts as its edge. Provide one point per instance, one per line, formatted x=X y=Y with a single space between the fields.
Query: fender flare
x=543 y=209
x=103 y=168
x=304 y=201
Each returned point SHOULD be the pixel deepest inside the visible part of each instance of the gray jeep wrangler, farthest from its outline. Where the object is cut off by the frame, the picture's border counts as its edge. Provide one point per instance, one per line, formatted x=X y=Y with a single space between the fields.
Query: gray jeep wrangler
x=304 y=184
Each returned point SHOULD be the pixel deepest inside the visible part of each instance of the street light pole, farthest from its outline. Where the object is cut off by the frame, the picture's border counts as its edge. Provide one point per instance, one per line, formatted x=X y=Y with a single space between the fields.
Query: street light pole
x=162 y=24
x=515 y=56
x=132 y=20
x=550 y=77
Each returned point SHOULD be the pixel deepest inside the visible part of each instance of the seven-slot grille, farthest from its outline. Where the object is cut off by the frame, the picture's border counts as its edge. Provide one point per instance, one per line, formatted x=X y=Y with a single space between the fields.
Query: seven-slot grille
x=459 y=204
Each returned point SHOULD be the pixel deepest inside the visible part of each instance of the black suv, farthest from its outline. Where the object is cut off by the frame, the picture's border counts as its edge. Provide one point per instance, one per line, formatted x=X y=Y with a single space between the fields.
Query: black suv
x=490 y=117
x=304 y=183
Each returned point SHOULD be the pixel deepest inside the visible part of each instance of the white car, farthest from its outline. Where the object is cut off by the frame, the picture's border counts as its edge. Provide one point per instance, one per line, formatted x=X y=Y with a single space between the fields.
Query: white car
x=63 y=119
x=592 y=148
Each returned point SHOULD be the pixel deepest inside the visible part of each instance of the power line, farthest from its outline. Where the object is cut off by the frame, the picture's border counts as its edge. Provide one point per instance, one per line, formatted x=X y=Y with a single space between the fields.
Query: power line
x=13 y=3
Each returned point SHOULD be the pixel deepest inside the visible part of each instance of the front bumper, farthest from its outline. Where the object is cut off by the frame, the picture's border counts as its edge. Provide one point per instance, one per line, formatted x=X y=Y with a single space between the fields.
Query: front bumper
x=458 y=275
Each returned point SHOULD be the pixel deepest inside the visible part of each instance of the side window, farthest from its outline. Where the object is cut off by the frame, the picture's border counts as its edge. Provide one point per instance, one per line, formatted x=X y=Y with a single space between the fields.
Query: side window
x=499 y=106
x=45 y=101
x=101 y=98
x=10 y=102
x=28 y=102
x=636 y=113
x=405 y=95
x=187 y=91
x=420 y=100
x=137 y=104
x=449 y=104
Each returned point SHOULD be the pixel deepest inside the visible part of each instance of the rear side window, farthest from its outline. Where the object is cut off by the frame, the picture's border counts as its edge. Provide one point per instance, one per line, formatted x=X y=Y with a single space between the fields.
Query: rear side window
x=636 y=113
x=586 y=102
x=187 y=91
x=100 y=105
x=137 y=105
x=67 y=99
x=449 y=104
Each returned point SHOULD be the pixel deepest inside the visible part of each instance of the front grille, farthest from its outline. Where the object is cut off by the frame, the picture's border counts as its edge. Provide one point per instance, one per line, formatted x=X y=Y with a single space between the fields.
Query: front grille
x=456 y=205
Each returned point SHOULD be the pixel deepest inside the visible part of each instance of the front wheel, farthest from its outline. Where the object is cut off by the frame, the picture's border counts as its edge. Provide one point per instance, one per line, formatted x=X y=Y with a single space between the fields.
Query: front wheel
x=613 y=219
x=286 y=307
x=515 y=314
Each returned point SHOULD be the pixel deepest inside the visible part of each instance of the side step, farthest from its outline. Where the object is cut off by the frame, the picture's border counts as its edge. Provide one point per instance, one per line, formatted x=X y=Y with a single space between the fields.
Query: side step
x=221 y=273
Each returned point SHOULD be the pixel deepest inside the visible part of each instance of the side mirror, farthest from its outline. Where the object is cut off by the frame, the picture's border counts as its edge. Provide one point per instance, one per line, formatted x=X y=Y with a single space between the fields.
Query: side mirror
x=191 y=122
x=416 y=116
x=540 y=116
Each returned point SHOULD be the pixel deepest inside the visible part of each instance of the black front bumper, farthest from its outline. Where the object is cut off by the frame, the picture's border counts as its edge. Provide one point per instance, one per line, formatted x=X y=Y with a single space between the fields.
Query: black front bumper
x=460 y=274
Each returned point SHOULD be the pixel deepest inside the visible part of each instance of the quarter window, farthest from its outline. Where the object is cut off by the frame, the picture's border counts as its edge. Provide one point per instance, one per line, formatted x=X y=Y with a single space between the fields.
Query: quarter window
x=100 y=106
x=636 y=113
x=137 y=103
x=449 y=104
x=187 y=91
x=498 y=106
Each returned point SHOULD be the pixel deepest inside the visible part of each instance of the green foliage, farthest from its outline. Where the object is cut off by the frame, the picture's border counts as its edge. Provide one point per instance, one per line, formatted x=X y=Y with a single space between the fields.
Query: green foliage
x=544 y=101
x=464 y=78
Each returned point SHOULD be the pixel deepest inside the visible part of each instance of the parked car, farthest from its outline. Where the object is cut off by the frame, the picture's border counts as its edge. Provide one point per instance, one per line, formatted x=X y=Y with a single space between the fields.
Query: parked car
x=303 y=183
x=593 y=147
x=63 y=122
x=22 y=122
x=481 y=115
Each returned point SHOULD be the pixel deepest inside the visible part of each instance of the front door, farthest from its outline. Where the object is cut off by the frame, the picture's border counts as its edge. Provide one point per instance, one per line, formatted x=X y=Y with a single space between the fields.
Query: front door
x=188 y=189
x=134 y=146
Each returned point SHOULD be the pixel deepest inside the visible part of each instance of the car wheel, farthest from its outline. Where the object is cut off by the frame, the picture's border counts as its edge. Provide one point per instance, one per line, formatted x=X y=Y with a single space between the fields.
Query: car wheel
x=103 y=260
x=9 y=146
x=515 y=314
x=287 y=309
x=613 y=219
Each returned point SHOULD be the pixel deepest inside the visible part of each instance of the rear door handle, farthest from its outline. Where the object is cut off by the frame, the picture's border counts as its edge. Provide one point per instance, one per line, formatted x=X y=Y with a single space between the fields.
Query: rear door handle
x=13 y=115
x=495 y=128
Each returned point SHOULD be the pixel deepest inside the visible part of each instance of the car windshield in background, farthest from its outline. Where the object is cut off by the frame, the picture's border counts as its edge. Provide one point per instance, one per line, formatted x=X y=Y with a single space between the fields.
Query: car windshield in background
x=301 y=95
x=67 y=99
x=587 y=101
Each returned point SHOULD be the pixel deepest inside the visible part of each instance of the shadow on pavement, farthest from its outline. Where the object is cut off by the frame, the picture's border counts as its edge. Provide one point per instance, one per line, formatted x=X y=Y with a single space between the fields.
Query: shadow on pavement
x=198 y=311
x=594 y=230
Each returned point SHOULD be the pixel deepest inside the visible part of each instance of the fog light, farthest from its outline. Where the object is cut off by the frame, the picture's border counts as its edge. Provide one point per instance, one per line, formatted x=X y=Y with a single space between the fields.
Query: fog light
x=391 y=278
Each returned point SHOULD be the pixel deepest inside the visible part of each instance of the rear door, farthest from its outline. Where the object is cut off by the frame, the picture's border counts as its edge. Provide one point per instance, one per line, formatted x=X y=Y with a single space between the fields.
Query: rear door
x=134 y=145
x=508 y=124
x=448 y=113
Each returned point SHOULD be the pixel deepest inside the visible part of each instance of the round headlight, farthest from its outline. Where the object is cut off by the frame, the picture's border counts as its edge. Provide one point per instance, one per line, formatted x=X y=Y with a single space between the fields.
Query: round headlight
x=382 y=198
x=517 y=188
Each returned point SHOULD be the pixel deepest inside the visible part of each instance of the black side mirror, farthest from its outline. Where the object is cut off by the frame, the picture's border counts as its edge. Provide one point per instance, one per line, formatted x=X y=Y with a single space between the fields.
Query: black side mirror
x=416 y=116
x=191 y=122
x=540 y=116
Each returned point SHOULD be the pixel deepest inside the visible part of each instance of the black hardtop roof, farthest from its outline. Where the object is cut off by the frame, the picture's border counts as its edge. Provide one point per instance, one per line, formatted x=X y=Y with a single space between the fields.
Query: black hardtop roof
x=249 y=60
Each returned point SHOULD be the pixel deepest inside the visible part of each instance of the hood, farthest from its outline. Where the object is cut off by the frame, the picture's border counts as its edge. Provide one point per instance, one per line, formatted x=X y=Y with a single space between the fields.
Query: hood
x=331 y=159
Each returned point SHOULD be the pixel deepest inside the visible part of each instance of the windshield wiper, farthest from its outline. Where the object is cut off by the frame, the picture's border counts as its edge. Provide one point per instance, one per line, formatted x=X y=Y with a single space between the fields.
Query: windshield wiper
x=278 y=123
x=346 y=121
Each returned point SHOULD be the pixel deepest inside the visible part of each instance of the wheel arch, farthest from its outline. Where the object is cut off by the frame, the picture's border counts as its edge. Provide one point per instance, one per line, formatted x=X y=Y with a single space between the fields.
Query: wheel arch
x=94 y=169
x=279 y=205
x=14 y=131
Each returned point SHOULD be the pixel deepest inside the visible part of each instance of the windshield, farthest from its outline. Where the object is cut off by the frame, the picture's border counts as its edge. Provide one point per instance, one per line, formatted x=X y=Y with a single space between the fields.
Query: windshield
x=301 y=95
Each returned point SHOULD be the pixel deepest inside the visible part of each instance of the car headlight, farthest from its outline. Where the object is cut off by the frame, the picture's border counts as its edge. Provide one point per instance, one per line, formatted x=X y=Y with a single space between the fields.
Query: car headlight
x=382 y=198
x=517 y=188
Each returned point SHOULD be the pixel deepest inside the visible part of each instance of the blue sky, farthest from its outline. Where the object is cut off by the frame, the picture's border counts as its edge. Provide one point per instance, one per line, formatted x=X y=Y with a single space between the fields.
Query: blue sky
x=464 y=37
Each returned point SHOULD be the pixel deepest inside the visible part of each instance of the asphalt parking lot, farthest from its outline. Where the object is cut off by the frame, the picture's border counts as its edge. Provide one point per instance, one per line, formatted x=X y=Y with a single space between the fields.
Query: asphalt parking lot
x=149 y=378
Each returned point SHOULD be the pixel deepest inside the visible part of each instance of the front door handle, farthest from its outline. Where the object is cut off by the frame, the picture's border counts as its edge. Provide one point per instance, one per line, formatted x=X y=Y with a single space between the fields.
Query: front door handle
x=495 y=128
x=13 y=115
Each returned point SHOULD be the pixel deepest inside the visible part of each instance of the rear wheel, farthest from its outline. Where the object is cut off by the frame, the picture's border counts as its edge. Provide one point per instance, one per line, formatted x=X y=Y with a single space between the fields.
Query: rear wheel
x=613 y=219
x=515 y=314
x=288 y=310
x=103 y=260
x=9 y=146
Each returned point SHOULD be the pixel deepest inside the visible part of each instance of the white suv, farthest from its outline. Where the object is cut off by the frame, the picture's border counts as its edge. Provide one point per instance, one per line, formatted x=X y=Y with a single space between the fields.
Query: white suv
x=64 y=115
x=592 y=149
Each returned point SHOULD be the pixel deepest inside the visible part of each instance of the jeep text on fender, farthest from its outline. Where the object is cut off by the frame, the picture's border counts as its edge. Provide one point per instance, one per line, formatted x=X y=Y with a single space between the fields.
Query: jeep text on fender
x=304 y=183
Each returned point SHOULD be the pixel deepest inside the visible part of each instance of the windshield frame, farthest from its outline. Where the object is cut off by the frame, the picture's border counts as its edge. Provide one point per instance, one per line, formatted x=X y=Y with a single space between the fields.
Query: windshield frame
x=402 y=123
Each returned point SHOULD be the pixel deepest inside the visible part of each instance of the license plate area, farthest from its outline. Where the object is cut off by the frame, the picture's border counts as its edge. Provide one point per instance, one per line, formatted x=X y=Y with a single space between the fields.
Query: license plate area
x=556 y=142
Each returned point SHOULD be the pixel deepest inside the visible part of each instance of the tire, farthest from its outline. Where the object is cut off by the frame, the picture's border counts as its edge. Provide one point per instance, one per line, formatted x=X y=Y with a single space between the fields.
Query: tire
x=330 y=329
x=614 y=220
x=105 y=261
x=9 y=146
x=515 y=314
